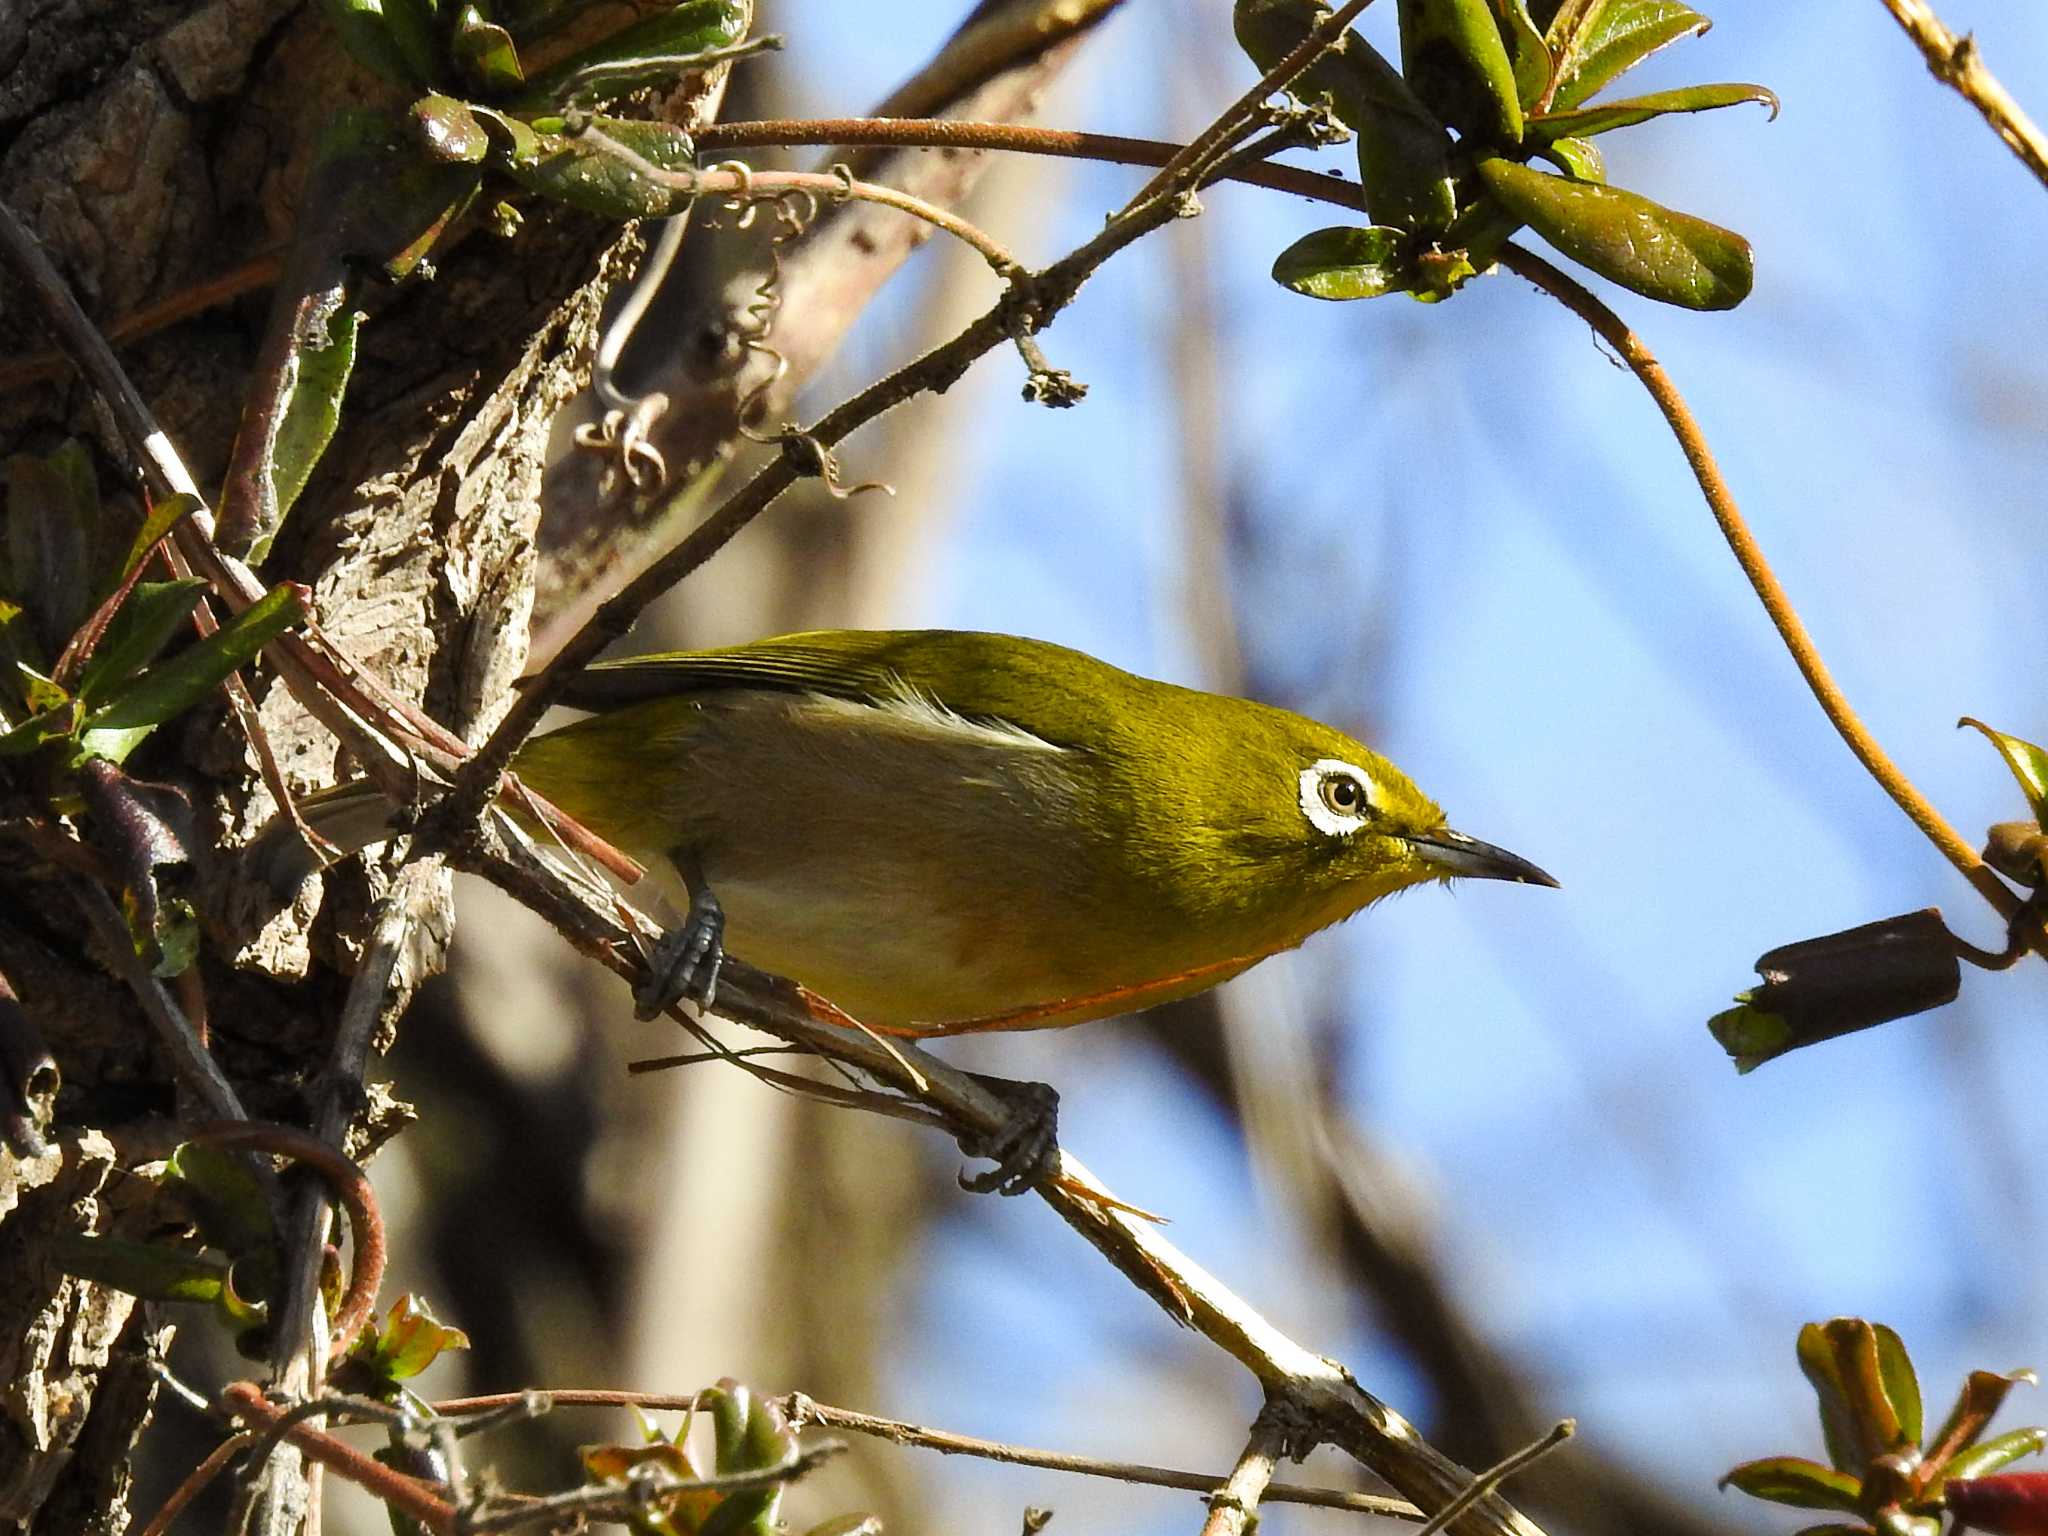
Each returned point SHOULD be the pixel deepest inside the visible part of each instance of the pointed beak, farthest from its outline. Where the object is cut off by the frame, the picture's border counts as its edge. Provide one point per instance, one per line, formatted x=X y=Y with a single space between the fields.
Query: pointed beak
x=1469 y=859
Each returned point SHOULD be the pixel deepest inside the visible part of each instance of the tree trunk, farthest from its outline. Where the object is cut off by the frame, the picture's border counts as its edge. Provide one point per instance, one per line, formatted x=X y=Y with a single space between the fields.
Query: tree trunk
x=153 y=147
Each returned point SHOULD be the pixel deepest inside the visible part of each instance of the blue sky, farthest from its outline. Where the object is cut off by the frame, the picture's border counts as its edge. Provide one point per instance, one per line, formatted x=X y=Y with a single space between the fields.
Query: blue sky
x=1465 y=532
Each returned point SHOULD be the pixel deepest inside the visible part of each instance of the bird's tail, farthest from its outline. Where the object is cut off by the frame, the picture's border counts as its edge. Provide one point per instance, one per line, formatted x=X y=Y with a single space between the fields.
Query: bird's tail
x=348 y=817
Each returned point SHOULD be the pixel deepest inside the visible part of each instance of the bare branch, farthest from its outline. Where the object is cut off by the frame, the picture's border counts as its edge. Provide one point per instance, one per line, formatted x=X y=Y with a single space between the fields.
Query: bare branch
x=1955 y=62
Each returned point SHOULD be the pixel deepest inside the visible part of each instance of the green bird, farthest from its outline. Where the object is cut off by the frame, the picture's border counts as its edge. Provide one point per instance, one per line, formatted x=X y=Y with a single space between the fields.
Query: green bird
x=943 y=831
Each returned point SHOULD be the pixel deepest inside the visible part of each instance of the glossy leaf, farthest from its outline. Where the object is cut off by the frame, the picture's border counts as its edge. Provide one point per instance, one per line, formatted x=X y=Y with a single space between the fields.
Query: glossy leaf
x=143 y=626
x=1993 y=1455
x=1578 y=158
x=581 y=171
x=1982 y=1395
x=1347 y=262
x=1404 y=153
x=174 y=686
x=1841 y=1361
x=1454 y=60
x=1657 y=252
x=312 y=411
x=2029 y=765
x=486 y=54
x=623 y=62
x=848 y=1525
x=1610 y=115
x=1796 y=1481
x=410 y=1339
x=152 y=1271
x=1593 y=41
x=449 y=129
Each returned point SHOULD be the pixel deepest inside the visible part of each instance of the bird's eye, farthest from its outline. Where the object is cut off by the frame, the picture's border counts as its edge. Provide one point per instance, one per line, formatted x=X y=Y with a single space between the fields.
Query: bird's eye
x=1343 y=794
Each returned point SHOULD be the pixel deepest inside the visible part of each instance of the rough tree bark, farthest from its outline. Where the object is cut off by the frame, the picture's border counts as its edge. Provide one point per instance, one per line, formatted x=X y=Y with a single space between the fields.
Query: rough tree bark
x=154 y=146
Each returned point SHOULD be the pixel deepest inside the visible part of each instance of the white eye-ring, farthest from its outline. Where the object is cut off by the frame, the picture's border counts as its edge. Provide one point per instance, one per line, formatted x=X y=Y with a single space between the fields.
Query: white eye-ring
x=1336 y=796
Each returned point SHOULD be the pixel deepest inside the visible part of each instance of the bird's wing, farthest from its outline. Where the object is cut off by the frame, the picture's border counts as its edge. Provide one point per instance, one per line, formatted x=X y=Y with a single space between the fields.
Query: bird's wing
x=996 y=678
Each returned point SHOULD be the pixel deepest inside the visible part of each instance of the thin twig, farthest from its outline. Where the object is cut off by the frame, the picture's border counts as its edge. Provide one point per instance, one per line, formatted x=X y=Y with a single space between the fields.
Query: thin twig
x=194 y=1064
x=746 y=185
x=340 y=1093
x=1487 y=1481
x=349 y=1183
x=1955 y=62
x=406 y=1495
x=647 y=1486
x=801 y=1409
x=1242 y=114
x=1749 y=555
x=196 y=1482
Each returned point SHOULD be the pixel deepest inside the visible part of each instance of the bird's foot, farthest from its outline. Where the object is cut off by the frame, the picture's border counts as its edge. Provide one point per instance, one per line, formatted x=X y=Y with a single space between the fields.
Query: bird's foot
x=686 y=961
x=1025 y=1147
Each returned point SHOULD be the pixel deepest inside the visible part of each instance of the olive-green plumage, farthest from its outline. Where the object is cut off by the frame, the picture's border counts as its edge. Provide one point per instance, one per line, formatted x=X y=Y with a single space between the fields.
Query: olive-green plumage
x=939 y=828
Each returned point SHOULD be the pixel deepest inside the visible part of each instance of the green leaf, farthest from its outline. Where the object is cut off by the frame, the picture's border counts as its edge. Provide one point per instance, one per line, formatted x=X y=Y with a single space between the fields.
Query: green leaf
x=39 y=729
x=153 y=1271
x=1751 y=1036
x=581 y=171
x=311 y=413
x=53 y=515
x=1796 y=1481
x=163 y=517
x=416 y=30
x=1404 y=153
x=228 y=1200
x=2029 y=765
x=1526 y=49
x=409 y=1341
x=625 y=61
x=174 y=686
x=1578 y=158
x=1454 y=60
x=1859 y=1421
x=380 y=43
x=144 y=625
x=1989 y=1456
x=486 y=53
x=1982 y=1395
x=1901 y=1383
x=1345 y=262
x=1664 y=255
x=1605 y=118
x=1593 y=41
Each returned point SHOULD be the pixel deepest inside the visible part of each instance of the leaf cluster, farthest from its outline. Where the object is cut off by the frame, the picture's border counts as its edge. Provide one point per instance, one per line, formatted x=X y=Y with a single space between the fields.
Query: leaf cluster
x=1879 y=1467
x=1446 y=144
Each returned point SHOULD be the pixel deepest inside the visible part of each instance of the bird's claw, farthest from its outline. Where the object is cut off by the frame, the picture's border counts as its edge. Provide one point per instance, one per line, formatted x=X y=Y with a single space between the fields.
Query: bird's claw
x=1026 y=1148
x=686 y=961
